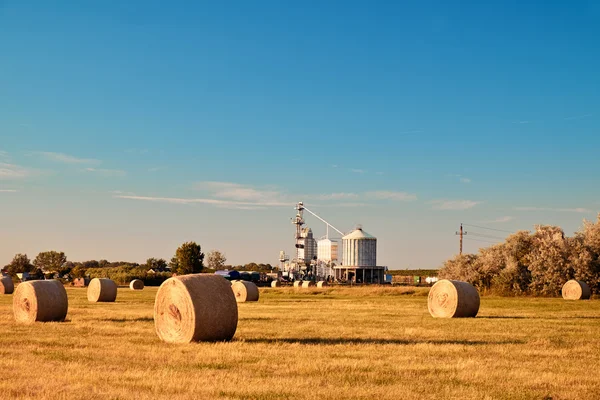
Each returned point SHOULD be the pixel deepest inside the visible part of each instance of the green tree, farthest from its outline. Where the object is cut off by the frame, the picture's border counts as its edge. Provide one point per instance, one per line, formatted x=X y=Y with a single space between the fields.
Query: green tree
x=215 y=260
x=156 y=264
x=78 y=271
x=51 y=261
x=188 y=259
x=19 y=264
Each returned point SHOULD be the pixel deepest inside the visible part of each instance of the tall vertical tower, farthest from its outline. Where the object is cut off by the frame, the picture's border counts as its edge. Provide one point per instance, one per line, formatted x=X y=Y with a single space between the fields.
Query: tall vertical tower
x=299 y=222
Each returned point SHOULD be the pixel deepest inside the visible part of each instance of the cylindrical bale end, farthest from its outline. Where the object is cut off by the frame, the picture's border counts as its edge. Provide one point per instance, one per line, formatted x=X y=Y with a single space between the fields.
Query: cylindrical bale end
x=307 y=284
x=453 y=299
x=297 y=283
x=136 y=284
x=42 y=301
x=245 y=291
x=6 y=285
x=275 y=284
x=576 y=290
x=192 y=308
x=321 y=284
x=102 y=290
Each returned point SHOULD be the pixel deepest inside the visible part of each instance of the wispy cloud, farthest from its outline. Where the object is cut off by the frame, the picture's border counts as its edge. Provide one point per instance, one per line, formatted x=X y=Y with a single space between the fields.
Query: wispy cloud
x=521 y=122
x=357 y=171
x=4 y=154
x=573 y=117
x=215 y=202
x=13 y=171
x=106 y=172
x=8 y=191
x=66 y=158
x=498 y=220
x=462 y=179
x=247 y=197
x=390 y=195
x=239 y=192
x=454 y=204
x=551 y=209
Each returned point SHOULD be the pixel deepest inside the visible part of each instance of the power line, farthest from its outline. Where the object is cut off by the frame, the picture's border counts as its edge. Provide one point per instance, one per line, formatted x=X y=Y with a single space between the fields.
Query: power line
x=483 y=241
x=485 y=235
x=491 y=229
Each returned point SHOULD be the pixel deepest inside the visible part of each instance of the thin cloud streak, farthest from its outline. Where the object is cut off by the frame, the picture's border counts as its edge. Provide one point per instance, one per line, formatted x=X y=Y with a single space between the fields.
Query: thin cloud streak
x=454 y=205
x=577 y=117
x=106 y=172
x=239 y=192
x=571 y=210
x=8 y=191
x=215 y=202
x=66 y=158
x=13 y=171
x=390 y=195
x=499 y=220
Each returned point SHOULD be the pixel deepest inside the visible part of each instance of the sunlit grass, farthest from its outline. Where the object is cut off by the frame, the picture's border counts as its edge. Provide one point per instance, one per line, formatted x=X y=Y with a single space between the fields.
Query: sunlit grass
x=359 y=343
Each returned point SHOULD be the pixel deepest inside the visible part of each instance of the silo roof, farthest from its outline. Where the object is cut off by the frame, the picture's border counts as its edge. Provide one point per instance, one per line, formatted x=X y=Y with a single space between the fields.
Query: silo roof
x=359 y=234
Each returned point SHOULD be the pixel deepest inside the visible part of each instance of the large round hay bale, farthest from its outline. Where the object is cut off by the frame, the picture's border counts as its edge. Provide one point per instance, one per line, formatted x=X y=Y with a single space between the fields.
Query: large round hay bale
x=321 y=284
x=40 y=301
x=576 y=290
x=245 y=291
x=275 y=284
x=297 y=283
x=453 y=299
x=102 y=290
x=136 y=284
x=6 y=285
x=192 y=308
x=306 y=284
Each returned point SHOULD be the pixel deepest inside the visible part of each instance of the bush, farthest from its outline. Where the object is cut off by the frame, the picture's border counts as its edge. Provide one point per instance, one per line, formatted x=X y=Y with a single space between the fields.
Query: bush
x=536 y=264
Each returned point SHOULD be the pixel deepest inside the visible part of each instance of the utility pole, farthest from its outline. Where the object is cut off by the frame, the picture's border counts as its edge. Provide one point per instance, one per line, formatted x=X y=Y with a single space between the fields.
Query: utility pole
x=461 y=233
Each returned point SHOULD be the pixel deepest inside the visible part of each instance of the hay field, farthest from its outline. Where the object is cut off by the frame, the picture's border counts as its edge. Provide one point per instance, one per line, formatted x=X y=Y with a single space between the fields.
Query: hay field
x=361 y=343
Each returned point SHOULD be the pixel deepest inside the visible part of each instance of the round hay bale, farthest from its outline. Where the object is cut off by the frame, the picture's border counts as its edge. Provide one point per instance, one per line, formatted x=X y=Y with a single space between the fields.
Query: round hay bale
x=6 y=285
x=136 y=284
x=245 y=291
x=102 y=290
x=321 y=284
x=40 y=301
x=576 y=290
x=192 y=308
x=307 y=284
x=275 y=284
x=453 y=299
x=297 y=283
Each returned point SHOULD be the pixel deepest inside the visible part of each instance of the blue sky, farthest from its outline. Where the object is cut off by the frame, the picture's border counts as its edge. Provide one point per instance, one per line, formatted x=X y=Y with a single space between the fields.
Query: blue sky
x=126 y=129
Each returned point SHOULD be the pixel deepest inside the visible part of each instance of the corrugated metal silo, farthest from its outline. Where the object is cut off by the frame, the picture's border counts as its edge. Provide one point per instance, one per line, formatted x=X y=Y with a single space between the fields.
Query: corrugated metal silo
x=359 y=249
x=327 y=250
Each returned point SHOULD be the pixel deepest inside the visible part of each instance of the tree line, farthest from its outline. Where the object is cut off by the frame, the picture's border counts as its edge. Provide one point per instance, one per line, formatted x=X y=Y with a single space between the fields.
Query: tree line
x=188 y=259
x=537 y=263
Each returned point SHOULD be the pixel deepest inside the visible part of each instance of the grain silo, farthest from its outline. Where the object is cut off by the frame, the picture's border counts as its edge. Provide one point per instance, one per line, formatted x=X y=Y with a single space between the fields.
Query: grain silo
x=327 y=250
x=359 y=249
x=359 y=259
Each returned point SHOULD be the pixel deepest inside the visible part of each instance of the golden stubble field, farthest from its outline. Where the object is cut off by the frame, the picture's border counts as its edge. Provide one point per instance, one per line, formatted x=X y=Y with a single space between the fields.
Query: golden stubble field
x=347 y=343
